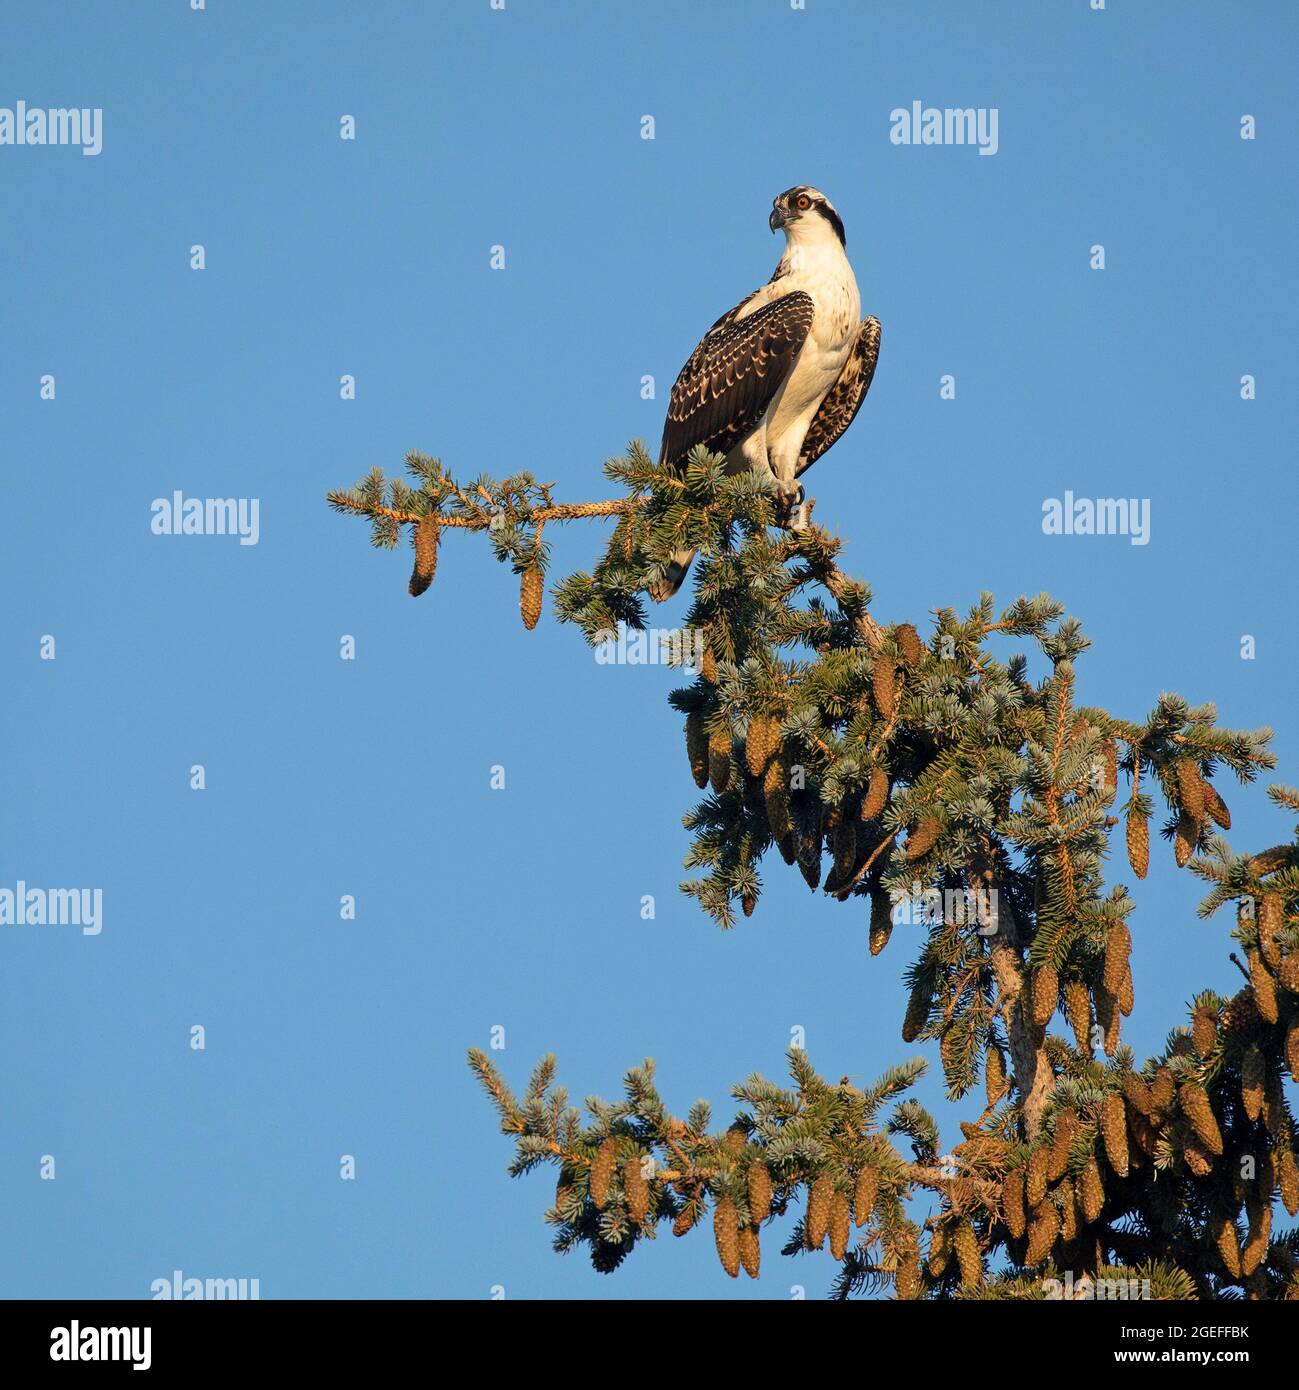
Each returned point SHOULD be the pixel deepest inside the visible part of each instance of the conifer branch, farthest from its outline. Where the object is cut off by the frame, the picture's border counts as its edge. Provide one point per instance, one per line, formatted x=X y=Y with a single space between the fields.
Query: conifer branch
x=922 y=769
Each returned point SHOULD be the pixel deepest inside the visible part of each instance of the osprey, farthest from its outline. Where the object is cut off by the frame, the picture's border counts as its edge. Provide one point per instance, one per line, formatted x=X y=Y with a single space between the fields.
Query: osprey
x=776 y=380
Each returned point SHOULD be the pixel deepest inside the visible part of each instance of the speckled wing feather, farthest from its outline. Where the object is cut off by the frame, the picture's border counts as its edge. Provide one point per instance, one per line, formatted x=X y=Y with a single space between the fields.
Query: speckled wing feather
x=844 y=398
x=732 y=375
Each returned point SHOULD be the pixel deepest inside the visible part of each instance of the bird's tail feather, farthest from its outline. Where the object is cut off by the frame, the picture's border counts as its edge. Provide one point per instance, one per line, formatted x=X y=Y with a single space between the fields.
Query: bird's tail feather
x=673 y=577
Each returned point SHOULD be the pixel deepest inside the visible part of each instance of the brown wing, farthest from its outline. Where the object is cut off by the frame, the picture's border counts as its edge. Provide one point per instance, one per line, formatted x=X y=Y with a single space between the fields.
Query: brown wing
x=844 y=398
x=732 y=375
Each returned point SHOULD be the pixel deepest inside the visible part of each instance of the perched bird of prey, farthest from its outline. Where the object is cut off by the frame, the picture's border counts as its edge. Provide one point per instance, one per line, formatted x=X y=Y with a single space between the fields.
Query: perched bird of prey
x=774 y=382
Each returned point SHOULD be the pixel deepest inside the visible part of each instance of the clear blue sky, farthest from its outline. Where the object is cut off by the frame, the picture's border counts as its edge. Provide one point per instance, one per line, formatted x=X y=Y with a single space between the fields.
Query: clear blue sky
x=370 y=777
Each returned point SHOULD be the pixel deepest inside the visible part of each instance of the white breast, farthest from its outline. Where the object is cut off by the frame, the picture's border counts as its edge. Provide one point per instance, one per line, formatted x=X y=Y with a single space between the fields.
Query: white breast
x=824 y=273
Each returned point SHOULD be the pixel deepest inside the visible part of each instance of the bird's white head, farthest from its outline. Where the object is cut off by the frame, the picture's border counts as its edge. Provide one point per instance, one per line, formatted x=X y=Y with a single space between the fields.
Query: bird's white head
x=806 y=215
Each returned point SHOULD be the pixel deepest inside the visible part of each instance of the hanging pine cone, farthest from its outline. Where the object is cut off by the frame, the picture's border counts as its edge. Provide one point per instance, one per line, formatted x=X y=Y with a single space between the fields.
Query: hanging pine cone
x=1046 y=991
x=1109 y=1018
x=697 y=747
x=1066 y=1126
x=1253 y=1073
x=884 y=682
x=563 y=1187
x=922 y=838
x=531 y=592
x=775 y=787
x=1216 y=807
x=1039 y=1166
x=761 y=743
x=966 y=1245
x=1068 y=1213
x=939 y=1250
x=425 y=536
x=748 y=901
x=1144 y=1132
x=1196 y=1156
x=1292 y=1047
x=1110 y=764
x=863 y=1202
x=750 y=1251
x=845 y=852
x=839 y=1225
x=1288 y=972
x=1127 y=998
x=994 y=1076
x=1287 y=1173
x=881 y=919
x=1184 y=839
x=635 y=1187
x=809 y=854
x=909 y=644
x=1271 y=860
x=1227 y=1239
x=1078 y=1010
x=1204 y=1030
x=1163 y=1088
x=1091 y=1192
x=819 y=1197
x=759 y=1192
x=877 y=794
x=1190 y=788
x=1042 y=1231
x=1260 y=977
x=726 y=1235
x=1114 y=1129
x=1271 y=918
x=906 y=1278
x=1138 y=834
x=602 y=1166
x=1195 y=1106
x=719 y=760
x=917 y=1014
x=1138 y=1093
x=686 y=1219
x=708 y=666
x=1258 y=1236
x=1118 y=945
x=1012 y=1202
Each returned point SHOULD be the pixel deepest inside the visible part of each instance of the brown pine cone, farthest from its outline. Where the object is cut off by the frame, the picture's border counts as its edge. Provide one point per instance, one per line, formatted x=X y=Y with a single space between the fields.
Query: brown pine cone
x=726 y=1235
x=759 y=1192
x=531 y=593
x=1195 y=1106
x=1012 y=1202
x=425 y=539
x=1138 y=835
x=602 y=1166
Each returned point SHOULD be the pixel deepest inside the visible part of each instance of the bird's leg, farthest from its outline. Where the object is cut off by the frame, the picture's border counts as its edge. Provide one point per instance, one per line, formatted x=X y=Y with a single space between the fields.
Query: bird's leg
x=756 y=456
x=789 y=493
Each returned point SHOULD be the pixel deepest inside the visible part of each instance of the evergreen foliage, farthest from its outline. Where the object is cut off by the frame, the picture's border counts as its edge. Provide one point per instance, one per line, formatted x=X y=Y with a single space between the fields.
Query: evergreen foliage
x=922 y=773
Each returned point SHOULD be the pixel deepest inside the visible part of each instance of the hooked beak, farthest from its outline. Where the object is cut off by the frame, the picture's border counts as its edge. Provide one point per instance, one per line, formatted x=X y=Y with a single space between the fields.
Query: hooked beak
x=779 y=216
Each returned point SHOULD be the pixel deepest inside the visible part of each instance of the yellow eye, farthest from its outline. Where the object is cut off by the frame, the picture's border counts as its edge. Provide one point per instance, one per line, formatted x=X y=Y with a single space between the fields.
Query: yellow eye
x=802 y=202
